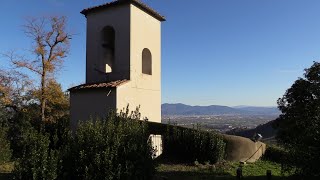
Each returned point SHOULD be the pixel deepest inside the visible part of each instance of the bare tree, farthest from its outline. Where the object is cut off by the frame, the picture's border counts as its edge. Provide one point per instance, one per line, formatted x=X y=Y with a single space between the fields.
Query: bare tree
x=50 y=47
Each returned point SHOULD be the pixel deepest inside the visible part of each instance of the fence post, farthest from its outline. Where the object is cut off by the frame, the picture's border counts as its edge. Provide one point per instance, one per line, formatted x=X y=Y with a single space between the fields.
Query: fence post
x=239 y=173
x=269 y=174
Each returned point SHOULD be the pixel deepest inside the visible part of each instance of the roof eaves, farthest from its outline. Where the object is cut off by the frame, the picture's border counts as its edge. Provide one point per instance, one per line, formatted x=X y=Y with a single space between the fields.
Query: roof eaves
x=148 y=10
x=137 y=3
x=103 y=85
x=88 y=10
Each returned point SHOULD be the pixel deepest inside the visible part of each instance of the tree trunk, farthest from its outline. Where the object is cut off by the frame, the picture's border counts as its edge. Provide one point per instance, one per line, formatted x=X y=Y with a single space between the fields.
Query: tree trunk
x=43 y=98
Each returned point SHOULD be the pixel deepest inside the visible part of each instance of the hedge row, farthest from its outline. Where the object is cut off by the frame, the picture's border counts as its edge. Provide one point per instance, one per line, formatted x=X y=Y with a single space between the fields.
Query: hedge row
x=190 y=145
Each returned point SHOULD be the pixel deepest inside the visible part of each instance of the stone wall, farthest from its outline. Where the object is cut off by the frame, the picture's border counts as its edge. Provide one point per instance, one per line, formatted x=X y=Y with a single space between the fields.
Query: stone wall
x=243 y=149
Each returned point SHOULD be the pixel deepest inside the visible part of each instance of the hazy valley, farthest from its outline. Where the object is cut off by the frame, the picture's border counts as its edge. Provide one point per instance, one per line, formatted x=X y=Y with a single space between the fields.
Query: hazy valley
x=220 y=118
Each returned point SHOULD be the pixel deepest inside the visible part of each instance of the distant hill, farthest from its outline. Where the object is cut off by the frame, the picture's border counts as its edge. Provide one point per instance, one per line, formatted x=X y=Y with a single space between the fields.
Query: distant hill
x=266 y=130
x=259 y=110
x=182 y=109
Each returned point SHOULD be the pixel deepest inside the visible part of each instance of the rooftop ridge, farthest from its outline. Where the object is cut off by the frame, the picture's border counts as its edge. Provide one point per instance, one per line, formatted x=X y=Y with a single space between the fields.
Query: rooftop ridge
x=137 y=3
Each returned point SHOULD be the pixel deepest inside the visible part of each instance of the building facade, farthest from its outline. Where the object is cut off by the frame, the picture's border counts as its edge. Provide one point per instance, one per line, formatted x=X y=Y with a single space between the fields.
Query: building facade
x=123 y=62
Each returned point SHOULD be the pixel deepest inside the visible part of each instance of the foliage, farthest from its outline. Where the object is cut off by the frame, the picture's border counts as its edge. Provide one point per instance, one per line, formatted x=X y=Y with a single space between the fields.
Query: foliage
x=5 y=151
x=115 y=148
x=57 y=105
x=38 y=146
x=19 y=125
x=38 y=161
x=14 y=101
x=3 y=117
x=275 y=153
x=14 y=86
x=189 y=145
x=299 y=123
x=23 y=111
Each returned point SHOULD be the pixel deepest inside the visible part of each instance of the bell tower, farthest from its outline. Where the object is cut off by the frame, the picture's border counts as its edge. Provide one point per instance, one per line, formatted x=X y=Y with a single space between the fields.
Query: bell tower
x=123 y=42
x=123 y=63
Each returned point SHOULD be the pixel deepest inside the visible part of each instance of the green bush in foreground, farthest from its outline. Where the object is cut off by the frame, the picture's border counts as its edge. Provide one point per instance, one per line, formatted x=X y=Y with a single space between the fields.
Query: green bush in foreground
x=38 y=161
x=117 y=147
x=189 y=145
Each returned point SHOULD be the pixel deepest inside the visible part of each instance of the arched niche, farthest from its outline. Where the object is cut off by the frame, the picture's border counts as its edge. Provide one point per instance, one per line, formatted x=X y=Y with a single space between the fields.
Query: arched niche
x=108 y=48
x=146 y=61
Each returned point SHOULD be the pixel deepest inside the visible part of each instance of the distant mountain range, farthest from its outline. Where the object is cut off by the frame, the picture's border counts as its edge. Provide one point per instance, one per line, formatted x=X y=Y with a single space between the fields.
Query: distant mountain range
x=182 y=109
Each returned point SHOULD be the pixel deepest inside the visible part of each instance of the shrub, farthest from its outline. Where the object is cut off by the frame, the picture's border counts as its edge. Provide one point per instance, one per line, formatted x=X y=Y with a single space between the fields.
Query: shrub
x=3 y=117
x=189 y=145
x=303 y=162
x=275 y=154
x=19 y=124
x=115 y=148
x=38 y=161
x=5 y=151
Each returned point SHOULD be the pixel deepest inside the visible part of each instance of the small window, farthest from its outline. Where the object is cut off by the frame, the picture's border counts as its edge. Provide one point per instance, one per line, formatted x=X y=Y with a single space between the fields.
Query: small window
x=146 y=61
x=107 y=44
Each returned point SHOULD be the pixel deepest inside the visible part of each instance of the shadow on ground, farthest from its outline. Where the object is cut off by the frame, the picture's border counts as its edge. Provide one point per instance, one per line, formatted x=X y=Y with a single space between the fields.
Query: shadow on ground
x=207 y=176
x=6 y=176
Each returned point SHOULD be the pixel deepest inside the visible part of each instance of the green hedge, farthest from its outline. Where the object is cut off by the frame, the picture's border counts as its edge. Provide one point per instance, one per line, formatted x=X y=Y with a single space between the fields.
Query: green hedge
x=189 y=145
x=275 y=153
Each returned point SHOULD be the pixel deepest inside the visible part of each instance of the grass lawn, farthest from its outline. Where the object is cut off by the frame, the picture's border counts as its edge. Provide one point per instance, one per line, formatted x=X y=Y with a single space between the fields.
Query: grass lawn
x=258 y=168
x=224 y=170
x=5 y=171
x=219 y=171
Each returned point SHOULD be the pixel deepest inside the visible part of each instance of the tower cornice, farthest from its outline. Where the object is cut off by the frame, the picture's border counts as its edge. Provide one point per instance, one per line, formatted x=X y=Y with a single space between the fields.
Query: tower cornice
x=137 y=3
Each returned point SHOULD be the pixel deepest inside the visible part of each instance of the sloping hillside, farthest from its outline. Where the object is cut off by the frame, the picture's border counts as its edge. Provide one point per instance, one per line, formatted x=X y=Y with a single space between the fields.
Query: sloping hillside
x=182 y=109
x=266 y=130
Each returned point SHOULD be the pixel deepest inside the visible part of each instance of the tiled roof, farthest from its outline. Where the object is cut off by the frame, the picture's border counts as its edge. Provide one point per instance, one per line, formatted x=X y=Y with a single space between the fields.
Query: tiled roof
x=137 y=3
x=111 y=84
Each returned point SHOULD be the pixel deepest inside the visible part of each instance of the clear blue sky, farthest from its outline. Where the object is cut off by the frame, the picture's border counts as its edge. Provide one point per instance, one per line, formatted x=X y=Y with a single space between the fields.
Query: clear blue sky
x=224 y=52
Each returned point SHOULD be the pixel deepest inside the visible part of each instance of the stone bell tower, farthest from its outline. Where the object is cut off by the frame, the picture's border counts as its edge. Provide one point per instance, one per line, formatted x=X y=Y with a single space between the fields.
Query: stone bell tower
x=123 y=63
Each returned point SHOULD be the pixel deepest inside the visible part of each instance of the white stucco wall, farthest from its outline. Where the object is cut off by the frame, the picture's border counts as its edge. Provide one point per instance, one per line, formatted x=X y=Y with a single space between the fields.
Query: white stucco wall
x=143 y=90
x=91 y=103
x=148 y=101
